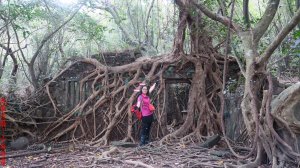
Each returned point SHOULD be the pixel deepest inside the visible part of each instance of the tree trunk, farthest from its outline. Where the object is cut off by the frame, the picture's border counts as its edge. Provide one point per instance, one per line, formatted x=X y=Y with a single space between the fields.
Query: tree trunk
x=203 y=117
x=34 y=80
x=256 y=111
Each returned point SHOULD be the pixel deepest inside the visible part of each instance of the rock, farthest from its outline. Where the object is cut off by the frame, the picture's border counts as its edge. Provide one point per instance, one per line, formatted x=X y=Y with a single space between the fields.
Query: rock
x=220 y=153
x=287 y=107
x=36 y=147
x=123 y=144
x=19 y=144
x=211 y=141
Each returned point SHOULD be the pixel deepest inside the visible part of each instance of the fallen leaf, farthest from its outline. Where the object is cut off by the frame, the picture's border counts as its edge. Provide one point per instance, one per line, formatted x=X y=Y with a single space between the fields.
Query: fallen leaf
x=221 y=162
x=29 y=157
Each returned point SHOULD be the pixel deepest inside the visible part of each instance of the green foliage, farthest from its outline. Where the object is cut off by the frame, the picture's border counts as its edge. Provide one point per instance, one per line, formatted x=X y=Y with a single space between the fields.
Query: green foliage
x=296 y=34
x=85 y=24
x=22 y=14
x=93 y=30
x=24 y=11
x=210 y=3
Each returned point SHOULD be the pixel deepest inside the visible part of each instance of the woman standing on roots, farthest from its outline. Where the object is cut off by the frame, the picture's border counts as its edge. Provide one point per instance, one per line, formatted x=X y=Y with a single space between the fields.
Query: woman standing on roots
x=143 y=103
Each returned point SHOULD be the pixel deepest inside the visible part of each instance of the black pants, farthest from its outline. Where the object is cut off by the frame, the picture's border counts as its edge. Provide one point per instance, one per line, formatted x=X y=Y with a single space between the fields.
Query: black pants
x=146 y=126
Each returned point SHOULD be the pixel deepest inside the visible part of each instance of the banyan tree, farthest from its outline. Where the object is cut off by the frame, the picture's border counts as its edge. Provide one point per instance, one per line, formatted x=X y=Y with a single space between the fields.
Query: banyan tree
x=92 y=99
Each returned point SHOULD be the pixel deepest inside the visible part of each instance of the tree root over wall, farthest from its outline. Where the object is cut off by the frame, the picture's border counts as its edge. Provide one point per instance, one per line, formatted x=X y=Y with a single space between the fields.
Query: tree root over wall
x=109 y=105
x=107 y=108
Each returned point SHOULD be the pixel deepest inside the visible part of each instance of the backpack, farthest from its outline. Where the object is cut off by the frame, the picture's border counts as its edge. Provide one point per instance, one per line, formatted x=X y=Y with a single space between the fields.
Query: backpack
x=137 y=113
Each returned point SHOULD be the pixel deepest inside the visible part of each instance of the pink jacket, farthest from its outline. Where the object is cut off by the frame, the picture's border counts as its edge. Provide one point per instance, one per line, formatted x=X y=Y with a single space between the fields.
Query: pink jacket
x=144 y=101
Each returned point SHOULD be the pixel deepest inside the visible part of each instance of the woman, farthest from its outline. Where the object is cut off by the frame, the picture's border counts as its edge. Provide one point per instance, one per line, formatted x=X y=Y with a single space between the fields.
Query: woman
x=143 y=103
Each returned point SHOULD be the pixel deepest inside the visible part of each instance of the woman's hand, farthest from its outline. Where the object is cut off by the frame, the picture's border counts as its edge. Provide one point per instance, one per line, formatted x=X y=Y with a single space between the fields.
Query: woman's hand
x=152 y=87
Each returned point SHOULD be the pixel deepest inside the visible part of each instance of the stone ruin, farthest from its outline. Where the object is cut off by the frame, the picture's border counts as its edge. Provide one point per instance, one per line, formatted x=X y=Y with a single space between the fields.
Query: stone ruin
x=66 y=91
x=66 y=88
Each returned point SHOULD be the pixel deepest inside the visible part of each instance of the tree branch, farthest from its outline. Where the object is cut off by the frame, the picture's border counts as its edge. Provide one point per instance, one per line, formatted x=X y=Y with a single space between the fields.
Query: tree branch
x=240 y=64
x=222 y=7
x=246 y=13
x=279 y=38
x=6 y=22
x=13 y=57
x=266 y=20
x=131 y=20
x=297 y=7
x=117 y=20
x=179 y=3
x=43 y=42
x=214 y=16
x=147 y=20
x=23 y=67
x=10 y=53
x=50 y=35
x=180 y=35
x=19 y=46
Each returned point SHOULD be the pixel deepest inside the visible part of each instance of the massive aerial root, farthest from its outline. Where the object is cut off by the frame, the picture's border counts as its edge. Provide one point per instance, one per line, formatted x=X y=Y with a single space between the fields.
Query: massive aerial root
x=106 y=110
x=105 y=97
x=103 y=111
x=102 y=108
x=108 y=105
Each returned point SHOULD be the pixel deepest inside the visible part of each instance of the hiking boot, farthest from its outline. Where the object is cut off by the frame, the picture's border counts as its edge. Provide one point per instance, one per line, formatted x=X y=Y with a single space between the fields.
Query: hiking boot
x=146 y=139
x=143 y=140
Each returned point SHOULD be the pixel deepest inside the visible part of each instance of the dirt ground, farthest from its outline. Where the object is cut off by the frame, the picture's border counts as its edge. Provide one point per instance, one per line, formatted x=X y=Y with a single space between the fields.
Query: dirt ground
x=151 y=155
